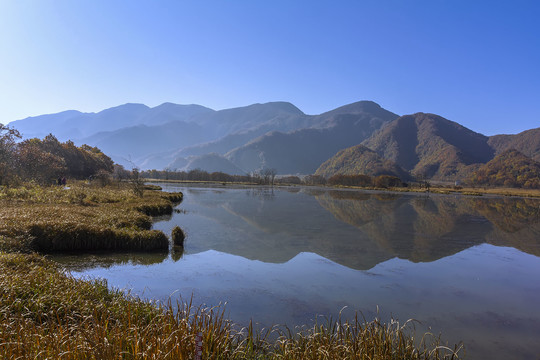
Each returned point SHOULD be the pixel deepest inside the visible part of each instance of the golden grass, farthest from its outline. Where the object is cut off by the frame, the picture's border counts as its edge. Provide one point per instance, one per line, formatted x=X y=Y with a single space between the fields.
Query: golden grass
x=81 y=218
x=47 y=314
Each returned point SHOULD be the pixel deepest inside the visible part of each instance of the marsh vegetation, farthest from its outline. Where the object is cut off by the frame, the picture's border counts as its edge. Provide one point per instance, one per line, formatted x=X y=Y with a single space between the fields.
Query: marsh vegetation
x=82 y=218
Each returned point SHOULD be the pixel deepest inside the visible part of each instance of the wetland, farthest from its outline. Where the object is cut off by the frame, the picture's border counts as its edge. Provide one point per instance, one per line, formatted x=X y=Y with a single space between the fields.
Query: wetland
x=463 y=266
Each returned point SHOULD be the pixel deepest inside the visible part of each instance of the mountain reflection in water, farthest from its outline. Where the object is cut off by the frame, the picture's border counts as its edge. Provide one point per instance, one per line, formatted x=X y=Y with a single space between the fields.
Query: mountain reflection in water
x=357 y=229
x=467 y=267
x=429 y=227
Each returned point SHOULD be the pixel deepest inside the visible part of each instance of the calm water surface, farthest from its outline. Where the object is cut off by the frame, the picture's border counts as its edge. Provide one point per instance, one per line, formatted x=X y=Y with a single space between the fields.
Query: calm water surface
x=467 y=267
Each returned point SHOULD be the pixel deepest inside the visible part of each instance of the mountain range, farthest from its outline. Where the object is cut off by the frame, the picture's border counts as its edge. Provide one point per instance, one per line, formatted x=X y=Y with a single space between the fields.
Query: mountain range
x=361 y=137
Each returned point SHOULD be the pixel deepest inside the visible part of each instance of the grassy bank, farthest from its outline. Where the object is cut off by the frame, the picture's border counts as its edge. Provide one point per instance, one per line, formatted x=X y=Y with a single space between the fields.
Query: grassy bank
x=82 y=218
x=47 y=314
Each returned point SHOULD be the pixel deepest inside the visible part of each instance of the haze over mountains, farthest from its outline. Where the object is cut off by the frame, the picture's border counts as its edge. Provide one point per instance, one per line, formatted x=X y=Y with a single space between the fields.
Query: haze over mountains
x=279 y=135
x=72 y=124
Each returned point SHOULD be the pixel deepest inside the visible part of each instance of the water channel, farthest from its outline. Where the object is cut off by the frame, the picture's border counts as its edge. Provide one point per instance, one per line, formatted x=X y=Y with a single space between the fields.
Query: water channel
x=465 y=267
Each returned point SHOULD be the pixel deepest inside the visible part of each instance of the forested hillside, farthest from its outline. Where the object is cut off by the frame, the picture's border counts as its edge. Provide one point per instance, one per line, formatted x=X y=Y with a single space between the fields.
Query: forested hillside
x=526 y=142
x=360 y=160
x=430 y=146
x=510 y=169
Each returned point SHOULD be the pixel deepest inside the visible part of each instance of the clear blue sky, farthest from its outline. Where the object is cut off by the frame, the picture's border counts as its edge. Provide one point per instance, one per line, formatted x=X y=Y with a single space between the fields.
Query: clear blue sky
x=474 y=62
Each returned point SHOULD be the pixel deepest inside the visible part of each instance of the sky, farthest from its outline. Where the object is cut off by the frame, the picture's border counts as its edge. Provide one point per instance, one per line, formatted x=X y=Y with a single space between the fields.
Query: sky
x=473 y=62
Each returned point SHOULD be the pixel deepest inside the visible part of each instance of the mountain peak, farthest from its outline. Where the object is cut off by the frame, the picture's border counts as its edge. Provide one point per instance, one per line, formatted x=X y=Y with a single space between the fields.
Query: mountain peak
x=358 y=106
x=361 y=107
x=430 y=145
x=282 y=106
x=169 y=106
x=127 y=107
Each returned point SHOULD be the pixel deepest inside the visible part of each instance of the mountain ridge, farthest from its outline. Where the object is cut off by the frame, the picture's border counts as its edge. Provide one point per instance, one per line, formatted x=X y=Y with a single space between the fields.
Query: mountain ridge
x=430 y=146
x=279 y=135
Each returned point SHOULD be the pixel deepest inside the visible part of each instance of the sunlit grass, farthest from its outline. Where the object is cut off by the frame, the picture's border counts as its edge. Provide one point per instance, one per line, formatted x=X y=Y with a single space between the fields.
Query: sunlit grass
x=81 y=218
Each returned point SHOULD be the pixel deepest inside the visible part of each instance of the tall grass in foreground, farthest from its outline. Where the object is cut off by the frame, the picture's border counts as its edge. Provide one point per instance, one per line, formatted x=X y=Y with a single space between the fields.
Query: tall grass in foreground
x=47 y=314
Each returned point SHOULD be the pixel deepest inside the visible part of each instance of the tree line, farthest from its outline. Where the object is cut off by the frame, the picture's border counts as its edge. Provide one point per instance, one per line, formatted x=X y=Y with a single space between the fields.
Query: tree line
x=262 y=177
x=45 y=160
x=268 y=177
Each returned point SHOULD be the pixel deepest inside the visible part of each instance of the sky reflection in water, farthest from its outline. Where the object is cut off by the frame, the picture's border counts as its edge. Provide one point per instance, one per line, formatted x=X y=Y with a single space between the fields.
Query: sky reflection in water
x=467 y=267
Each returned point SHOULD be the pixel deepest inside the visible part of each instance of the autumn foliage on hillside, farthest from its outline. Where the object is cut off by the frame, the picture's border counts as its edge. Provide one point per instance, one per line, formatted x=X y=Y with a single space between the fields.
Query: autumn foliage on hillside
x=527 y=142
x=360 y=160
x=45 y=160
x=430 y=146
x=510 y=169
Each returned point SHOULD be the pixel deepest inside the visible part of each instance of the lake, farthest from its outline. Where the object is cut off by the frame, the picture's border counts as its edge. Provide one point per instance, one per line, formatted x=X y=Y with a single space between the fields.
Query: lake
x=466 y=267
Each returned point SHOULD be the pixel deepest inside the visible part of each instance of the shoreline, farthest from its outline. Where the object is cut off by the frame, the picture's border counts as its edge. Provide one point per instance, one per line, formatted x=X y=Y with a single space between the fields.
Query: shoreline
x=443 y=190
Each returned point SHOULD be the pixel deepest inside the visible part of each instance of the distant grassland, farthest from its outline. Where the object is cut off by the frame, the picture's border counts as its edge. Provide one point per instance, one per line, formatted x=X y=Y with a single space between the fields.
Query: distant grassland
x=82 y=218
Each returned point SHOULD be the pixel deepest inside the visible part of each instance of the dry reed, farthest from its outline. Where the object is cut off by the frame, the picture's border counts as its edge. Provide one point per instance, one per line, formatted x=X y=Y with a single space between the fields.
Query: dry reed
x=81 y=218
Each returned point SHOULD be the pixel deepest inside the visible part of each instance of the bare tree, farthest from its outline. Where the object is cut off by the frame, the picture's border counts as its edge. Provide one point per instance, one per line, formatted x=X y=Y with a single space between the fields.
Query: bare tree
x=269 y=174
x=137 y=183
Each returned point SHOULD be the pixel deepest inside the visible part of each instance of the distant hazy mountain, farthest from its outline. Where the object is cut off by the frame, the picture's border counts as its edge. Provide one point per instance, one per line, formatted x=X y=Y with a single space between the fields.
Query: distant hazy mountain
x=231 y=128
x=430 y=145
x=302 y=151
x=178 y=164
x=224 y=144
x=157 y=161
x=134 y=134
x=63 y=125
x=72 y=125
x=279 y=115
x=360 y=160
x=527 y=142
x=213 y=162
x=136 y=141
